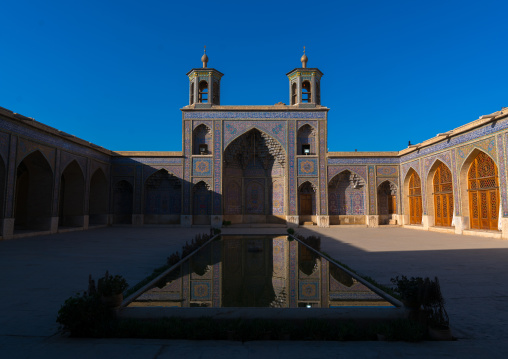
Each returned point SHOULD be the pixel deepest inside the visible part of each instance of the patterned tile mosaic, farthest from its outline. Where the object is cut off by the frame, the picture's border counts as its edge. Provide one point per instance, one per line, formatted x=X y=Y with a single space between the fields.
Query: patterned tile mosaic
x=488 y=145
x=234 y=129
x=323 y=208
x=201 y=290
x=359 y=170
x=454 y=141
x=4 y=146
x=313 y=124
x=146 y=160
x=174 y=170
x=372 y=190
x=502 y=174
x=27 y=147
x=253 y=115
x=387 y=171
x=187 y=168
x=308 y=290
x=363 y=161
x=202 y=167
x=291 y=167
x=196 y=123
x=307 y=167
x=217 y=176
x=50 y=140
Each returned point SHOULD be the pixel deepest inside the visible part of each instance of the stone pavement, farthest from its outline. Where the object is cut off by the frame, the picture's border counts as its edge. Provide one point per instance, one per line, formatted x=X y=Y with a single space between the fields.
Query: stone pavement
x=37 y=274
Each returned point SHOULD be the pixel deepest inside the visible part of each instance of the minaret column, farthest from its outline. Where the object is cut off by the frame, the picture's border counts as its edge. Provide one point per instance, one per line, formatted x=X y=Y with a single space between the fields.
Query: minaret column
x=313 y=88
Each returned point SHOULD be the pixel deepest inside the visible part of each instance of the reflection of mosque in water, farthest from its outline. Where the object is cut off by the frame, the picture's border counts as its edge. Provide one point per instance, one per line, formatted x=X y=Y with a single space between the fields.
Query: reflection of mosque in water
x=258 y=272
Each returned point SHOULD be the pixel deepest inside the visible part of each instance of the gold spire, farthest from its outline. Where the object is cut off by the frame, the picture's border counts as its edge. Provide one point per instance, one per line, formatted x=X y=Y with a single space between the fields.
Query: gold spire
x=304 y=59
x=204 y=59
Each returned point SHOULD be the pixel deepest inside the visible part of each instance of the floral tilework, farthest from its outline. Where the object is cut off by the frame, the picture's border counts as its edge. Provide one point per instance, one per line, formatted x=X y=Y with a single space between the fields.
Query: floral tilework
x=387 y=171
x=372 y=190
x=406 y=166
x=308 y=290
x=502 y=174
x=359 y=170
x=291 y=167
x=217 y=177
x=196 y=123
x=485 y=130
x=187 y=168
x=444 y=157
x=293 y=246
x=202 y=167
x=323 y=208
x=217 y=260
x=173 y=170
x=313 y=124
x=4 y=146
x=456 y=189
x=254 y=115
x=276 y=129
x=363 y=161
x=201 y=290
x=307 y=167
x=487 y=145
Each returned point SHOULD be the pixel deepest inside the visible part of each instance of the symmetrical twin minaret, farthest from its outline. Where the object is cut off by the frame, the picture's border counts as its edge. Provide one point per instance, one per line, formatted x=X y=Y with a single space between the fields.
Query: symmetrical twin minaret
x=304 y=85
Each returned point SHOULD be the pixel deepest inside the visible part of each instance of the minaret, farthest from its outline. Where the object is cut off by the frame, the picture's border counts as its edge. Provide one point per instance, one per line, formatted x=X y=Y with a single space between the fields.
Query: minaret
x=304 y=85
x=204 y=86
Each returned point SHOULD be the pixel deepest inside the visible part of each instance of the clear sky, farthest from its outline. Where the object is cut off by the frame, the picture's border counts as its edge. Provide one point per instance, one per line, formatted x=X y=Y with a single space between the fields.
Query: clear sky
x=113 y=72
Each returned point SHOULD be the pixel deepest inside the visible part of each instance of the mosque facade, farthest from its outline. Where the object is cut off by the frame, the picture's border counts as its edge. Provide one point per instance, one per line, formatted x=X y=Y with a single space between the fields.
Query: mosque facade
x=253 y=165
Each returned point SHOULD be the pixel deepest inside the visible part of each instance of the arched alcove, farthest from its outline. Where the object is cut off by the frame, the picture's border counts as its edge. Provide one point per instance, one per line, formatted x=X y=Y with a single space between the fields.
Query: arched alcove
x=122 y=202
x=307 y=203
x=254 y=167
x=413 y=199
x=479 y=188
x=306 y=140
x=346 y=198
x=306 y=92
x=163 y=198
x=202 y=140
x=71 y=197
x=294 y=95
x=98 y=200
x=3 y=181
x=440 y=203
x=203 y=92
x=34 y=188
x=201 y=203
x=386 y=201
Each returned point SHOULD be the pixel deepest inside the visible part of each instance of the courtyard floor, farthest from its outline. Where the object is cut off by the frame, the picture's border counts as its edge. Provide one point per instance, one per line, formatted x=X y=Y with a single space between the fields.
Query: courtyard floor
x=37 y=274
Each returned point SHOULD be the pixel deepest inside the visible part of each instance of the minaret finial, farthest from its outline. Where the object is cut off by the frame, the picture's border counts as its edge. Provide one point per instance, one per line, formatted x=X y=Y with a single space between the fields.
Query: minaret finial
x=204 y=59
x=304 y=59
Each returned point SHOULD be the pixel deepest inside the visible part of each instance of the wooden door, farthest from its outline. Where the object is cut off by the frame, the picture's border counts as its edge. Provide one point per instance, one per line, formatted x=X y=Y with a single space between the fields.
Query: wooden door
x=392 y=204
x=443 y=196
x=305 y=204
x=415 y=199
x=483 y=191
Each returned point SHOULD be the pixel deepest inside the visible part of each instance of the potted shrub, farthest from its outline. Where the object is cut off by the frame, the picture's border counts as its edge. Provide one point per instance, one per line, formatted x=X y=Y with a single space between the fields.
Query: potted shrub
x=437 y=318
x=111 y=288
x=409 y=290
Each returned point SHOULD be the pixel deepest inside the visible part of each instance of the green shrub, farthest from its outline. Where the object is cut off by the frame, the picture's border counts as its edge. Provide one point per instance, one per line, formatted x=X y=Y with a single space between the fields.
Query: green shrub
x=85 y=316
x=110 y=285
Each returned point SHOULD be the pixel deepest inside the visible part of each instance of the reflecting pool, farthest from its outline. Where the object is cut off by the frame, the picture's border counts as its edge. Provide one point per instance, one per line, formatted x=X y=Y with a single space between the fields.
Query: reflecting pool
x=259 y=271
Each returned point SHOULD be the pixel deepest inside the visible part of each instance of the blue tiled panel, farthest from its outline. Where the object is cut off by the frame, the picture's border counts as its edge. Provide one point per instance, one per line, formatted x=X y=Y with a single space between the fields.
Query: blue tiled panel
x=363 y=161
x=202 y=167
x=307 y=166
x=254 y=115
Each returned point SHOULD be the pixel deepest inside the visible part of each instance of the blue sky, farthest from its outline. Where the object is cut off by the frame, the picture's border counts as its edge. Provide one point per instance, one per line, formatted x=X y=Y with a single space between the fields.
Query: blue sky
x=113 y=72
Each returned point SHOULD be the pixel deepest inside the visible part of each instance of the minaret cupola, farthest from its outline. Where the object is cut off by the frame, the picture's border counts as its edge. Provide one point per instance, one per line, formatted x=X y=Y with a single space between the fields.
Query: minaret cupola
x=204 y=86
x=304 y=85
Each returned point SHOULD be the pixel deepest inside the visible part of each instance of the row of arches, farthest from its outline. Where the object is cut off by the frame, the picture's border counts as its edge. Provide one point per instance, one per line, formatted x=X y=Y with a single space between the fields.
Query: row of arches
x=481 y=200
x=33 y=195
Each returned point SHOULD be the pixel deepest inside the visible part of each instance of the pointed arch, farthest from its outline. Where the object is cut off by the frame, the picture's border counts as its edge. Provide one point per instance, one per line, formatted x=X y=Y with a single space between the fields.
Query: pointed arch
x=3 y=181
x=202 y=140
x=346 y=194
x=72 y=196
x=387 y=198
x=33 y=193
x=201 y=203
x=440 y=198
x=307 y=201
x=306 y=139
x=413 y=208
x=233 y=134
x=98 y=199
x=479 y=191
x=163 y=198
x=123 y=196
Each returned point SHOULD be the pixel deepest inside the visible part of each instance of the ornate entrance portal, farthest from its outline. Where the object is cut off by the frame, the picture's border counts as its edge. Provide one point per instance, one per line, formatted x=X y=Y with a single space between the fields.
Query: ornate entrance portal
x=254 y=167
x=483 y=191
x=443 y=196
x=415 y=199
